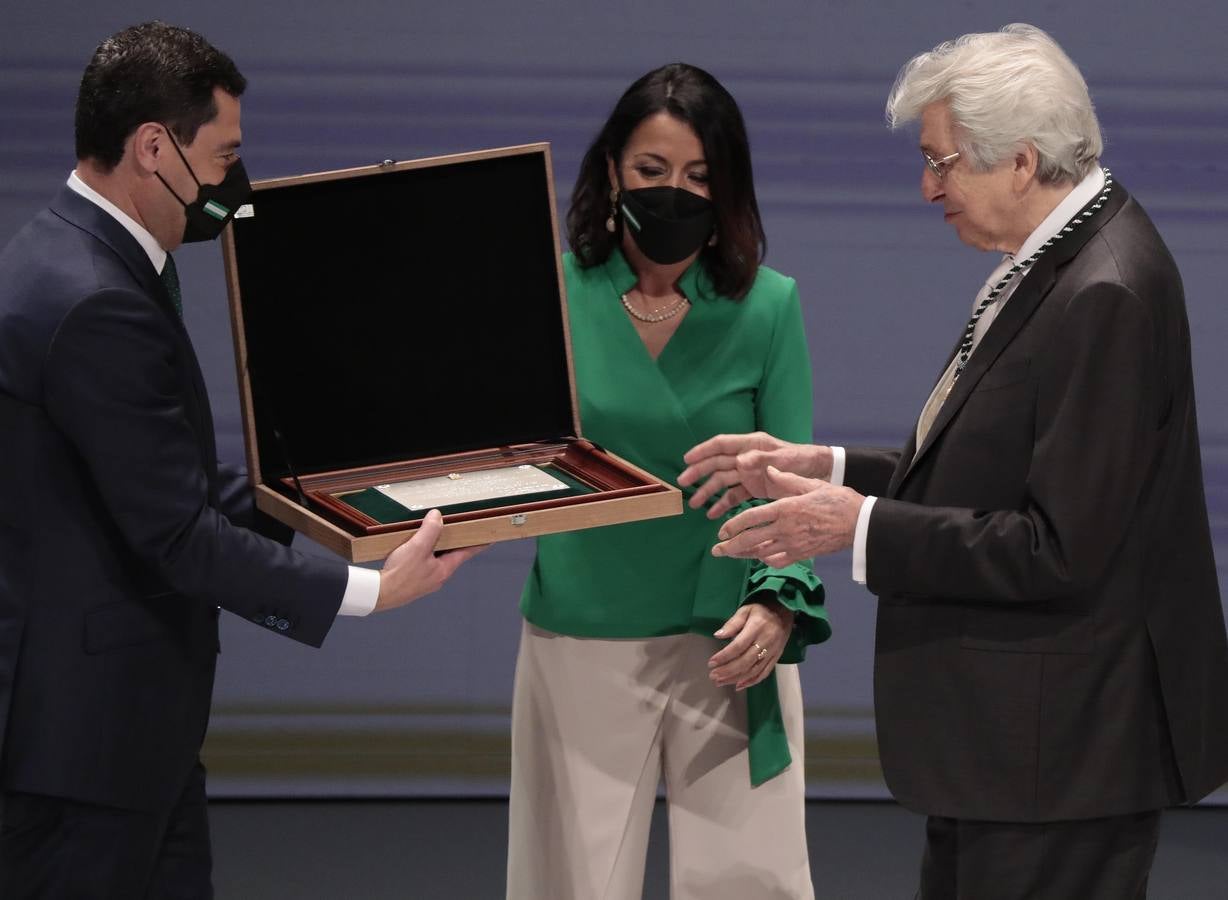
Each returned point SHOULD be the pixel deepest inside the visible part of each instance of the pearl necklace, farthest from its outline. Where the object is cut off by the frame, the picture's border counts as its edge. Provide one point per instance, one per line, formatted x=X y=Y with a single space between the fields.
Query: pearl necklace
x=667 y=312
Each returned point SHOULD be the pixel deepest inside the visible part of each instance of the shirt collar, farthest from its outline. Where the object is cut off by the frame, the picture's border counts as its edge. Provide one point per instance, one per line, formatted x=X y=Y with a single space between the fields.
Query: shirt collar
x=1079 y=198
x=148 y=242
x=694 y=283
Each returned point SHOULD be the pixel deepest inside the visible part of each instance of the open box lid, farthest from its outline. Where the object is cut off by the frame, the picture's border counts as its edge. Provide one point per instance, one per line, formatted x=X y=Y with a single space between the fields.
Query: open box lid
x=400 y=311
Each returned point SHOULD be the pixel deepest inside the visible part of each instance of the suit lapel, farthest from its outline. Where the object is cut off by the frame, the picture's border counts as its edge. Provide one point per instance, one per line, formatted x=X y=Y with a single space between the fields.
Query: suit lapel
x=97 y=222
x=76 y=210
x=1029 y=294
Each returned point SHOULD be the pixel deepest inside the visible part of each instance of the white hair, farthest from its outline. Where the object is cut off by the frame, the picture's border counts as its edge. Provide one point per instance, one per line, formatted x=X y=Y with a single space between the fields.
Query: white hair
x=1005 y=89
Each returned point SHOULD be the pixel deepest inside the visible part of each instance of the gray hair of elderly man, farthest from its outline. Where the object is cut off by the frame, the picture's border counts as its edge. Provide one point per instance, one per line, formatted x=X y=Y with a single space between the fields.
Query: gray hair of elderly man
x=1005 y=89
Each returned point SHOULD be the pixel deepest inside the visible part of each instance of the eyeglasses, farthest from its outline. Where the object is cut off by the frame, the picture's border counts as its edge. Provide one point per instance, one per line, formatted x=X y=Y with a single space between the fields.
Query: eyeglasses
x=940 y=167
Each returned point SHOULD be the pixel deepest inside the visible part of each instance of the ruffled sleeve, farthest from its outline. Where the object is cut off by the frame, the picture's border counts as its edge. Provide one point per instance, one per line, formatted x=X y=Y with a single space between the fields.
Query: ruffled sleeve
x=799 y=589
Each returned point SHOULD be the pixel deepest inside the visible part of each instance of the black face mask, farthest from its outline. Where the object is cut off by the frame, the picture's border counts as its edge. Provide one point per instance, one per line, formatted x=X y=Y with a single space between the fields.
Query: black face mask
x=215 y=204
x=668 y=223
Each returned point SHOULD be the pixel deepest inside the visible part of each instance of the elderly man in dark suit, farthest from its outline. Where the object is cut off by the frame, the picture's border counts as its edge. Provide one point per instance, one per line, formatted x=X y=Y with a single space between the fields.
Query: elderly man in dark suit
x=1051 y=667
x=120 y=534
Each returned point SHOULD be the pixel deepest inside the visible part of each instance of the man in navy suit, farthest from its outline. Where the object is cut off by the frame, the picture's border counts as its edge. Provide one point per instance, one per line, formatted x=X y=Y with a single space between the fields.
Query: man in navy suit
x=120 y=533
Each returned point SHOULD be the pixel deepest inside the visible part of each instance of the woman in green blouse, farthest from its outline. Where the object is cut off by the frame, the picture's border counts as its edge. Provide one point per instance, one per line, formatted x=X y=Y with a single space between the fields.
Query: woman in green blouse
x=642 y=655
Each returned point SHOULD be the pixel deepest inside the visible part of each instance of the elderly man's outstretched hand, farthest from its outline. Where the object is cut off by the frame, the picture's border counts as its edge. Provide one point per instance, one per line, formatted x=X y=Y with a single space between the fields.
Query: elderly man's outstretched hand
x=808 y=518
x=737 y=465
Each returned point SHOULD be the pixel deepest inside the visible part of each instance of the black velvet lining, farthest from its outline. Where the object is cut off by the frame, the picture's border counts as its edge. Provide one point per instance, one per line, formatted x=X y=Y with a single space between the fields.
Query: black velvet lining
x=403 y=314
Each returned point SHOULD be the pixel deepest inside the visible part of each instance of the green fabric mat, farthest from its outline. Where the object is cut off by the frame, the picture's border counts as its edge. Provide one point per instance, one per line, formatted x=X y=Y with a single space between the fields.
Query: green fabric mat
x=387 y=511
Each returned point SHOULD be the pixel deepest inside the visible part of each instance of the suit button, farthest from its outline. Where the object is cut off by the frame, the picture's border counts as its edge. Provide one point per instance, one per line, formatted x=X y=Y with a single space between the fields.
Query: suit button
x=271 y=621
x=282 y=624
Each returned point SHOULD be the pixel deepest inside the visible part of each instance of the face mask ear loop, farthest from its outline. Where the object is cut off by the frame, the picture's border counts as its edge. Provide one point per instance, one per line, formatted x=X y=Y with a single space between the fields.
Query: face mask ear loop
x=187 y=165
x=621 y=187
x=158 y=175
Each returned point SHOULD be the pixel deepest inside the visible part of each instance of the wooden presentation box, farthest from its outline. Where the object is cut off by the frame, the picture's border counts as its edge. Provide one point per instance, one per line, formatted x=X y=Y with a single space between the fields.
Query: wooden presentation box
x=407 y=321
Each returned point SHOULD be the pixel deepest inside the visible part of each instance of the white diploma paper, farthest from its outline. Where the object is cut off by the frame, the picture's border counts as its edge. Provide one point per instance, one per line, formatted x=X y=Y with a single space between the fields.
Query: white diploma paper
x=471 y=487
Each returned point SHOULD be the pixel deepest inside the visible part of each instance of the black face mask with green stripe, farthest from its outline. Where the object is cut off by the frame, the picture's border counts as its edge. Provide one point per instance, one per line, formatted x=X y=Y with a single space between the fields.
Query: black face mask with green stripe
x=215 y=204
x=668 y=223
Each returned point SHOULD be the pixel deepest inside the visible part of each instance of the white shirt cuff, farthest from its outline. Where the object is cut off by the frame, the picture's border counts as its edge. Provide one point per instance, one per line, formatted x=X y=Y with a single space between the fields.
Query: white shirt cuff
x=837 y=467
x=361 y=592
x=860 y=536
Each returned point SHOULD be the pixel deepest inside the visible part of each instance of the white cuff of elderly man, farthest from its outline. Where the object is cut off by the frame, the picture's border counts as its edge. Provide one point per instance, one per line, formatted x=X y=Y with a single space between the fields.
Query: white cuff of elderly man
x=863 y=516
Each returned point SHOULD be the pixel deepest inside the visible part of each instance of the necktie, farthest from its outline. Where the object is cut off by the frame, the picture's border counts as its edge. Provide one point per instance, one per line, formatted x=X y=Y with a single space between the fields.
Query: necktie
x=982 y=319
x=170 y=280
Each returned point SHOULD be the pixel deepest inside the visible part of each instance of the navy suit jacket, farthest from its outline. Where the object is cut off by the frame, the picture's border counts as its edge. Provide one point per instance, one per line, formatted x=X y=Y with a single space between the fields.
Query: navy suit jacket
x=120 y=536
x=1050 y=639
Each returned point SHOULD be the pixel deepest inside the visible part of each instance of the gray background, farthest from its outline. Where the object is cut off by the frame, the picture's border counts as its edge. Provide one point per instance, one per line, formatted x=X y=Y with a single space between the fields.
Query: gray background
x=416 y=702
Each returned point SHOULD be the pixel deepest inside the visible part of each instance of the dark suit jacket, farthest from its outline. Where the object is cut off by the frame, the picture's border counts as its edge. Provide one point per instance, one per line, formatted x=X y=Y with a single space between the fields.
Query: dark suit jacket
x=118 y=540
x=1050 y=639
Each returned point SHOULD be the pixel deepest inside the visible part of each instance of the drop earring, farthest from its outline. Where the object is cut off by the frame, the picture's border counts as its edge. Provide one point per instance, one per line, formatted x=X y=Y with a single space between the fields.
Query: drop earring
x=610 y=223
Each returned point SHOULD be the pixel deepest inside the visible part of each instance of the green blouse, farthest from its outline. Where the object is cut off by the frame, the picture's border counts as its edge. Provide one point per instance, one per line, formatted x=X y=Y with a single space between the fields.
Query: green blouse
x=731 y=367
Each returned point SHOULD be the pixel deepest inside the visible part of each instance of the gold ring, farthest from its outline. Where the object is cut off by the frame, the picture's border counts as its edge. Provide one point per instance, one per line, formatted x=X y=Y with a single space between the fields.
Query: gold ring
x=762 y=652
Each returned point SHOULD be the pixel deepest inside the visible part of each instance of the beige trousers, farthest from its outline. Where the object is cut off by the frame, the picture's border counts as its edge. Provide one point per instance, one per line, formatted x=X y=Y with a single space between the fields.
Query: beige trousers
x=596 y=723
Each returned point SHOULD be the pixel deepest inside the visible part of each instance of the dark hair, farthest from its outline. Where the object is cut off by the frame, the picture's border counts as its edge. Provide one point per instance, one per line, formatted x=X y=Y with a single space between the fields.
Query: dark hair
x=690 y=95
x=149 y=73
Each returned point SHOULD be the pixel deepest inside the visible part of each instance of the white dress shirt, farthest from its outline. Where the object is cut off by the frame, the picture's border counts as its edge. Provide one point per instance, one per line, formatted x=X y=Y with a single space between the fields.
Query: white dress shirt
x=362 y=585
x=1079 y=198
